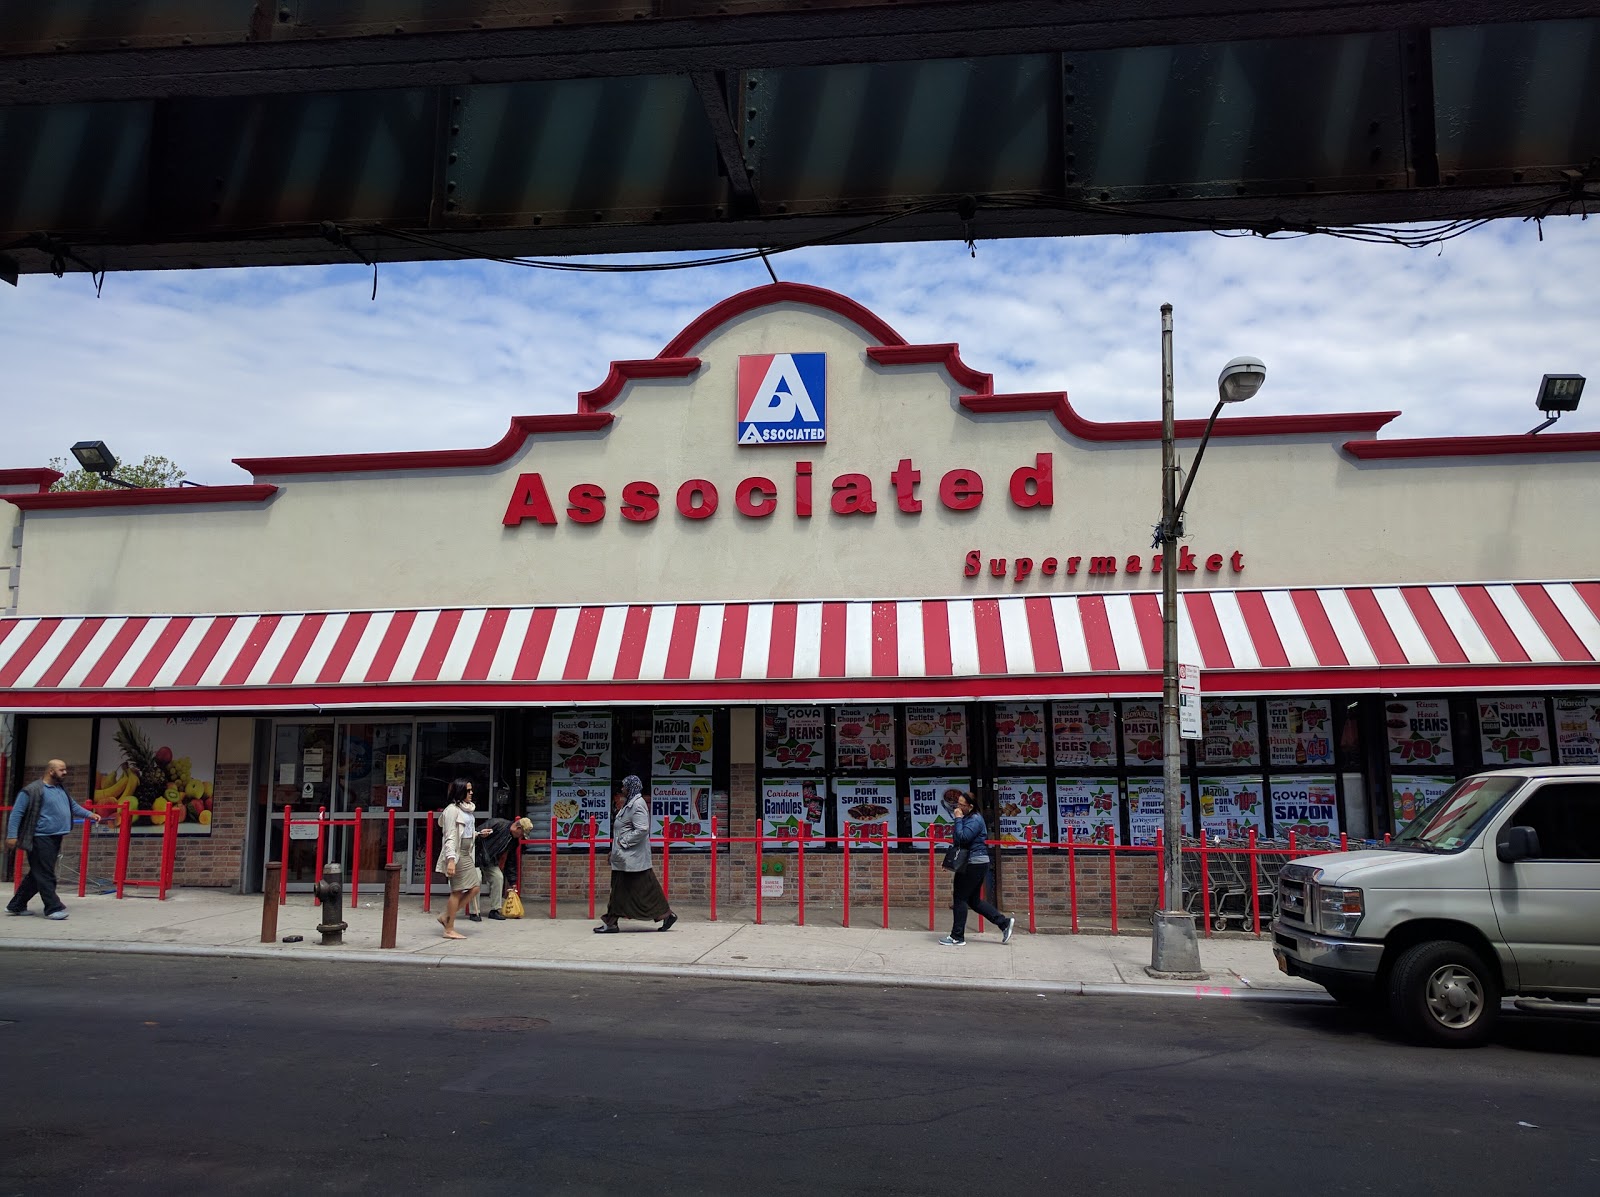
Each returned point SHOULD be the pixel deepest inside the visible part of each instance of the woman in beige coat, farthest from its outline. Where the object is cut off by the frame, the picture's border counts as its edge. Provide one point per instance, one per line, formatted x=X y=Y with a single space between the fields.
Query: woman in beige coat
x=455 y=854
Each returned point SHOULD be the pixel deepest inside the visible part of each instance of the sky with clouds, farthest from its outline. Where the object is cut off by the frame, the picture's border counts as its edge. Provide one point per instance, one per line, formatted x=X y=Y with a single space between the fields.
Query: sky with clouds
x=206 y=366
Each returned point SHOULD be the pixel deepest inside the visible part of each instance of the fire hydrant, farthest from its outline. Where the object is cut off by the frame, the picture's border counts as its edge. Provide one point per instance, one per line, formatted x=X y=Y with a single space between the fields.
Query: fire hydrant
x=330 y=892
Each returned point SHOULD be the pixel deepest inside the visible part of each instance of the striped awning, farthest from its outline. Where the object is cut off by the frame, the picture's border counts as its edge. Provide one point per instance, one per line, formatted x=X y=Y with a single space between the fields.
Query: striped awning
x=1517 y=635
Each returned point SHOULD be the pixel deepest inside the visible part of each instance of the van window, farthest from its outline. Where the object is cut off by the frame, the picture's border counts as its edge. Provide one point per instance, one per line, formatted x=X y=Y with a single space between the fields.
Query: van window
x=1567 y=817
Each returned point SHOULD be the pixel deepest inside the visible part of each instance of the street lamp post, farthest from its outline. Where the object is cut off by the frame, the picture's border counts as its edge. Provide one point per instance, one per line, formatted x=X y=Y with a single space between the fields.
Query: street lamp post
x=1174 y=948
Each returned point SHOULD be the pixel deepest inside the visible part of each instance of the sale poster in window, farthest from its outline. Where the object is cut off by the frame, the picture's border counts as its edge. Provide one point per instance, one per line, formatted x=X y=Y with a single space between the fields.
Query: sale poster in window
x=680 y=744
x=1578 y=728
x=573 y=804
x=1146 y=803
x=865 y=810
x=580 y=747
x=933 y=804
x=683 y=808
x=1409 y=796
x=1088 y=807
x=790 y=803
x=1019 y=732
x=1230 y=807
x=1232 y=733
x=1299 y=732
x=1419 y=732
x=1307 y=806
x=1021 y=803
x=1513 y=731
x=1085 y=734
x=864 y=738
x=936 y=737
x=792 y=737
x=1141 y=732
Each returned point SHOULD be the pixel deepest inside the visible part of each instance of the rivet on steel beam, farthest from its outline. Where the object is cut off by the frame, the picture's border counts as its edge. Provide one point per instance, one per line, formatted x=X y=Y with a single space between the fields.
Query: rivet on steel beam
x=284 y=14
x=599 y=215
x=1516 y=177
x=450 y=205
x=1070 y=126
x=656 y=215
x=1069 y=66
x=1069 y=97
x=454 y=129
x=1373 y=127
x=752 y=84
x=450 y=186
x=750 y=142
x=1238 y=188
x=399 y=28
x=1072 y=176
x=1105 y=196
x=750 y=114
x=456 y=100
x=452 y=159
x=122 y=41
x=61 y=45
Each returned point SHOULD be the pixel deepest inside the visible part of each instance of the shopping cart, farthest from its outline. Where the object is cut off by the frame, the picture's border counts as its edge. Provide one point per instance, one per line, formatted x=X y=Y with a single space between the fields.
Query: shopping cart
x=1243 y=886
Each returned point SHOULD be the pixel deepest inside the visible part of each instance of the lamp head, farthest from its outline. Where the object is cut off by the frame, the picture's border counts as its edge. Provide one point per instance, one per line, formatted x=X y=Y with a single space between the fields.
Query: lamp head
x=95 y=457
x=1559 y=393
x=1240 y=379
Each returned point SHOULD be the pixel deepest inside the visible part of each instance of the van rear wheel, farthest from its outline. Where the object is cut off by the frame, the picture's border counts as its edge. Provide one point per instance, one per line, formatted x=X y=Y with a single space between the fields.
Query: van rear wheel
x=1442 y=992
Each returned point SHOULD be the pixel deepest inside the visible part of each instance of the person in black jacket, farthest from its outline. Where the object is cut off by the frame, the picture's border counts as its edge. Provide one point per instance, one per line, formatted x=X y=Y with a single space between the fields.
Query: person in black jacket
x=972 y=833
x=489 y=853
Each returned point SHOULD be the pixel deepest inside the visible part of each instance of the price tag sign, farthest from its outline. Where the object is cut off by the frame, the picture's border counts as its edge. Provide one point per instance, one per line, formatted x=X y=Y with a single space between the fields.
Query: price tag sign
x=1188 y=701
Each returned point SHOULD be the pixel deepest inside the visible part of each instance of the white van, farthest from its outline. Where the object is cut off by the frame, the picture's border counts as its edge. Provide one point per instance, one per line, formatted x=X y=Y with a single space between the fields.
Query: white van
x=1493 y=890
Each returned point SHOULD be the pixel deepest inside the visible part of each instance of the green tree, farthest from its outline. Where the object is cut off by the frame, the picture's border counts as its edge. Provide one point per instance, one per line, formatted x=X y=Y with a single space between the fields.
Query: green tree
x=153 y=471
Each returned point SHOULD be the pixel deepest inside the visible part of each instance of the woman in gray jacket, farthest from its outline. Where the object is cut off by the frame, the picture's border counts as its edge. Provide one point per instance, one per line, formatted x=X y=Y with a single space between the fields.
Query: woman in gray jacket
x=635 y=892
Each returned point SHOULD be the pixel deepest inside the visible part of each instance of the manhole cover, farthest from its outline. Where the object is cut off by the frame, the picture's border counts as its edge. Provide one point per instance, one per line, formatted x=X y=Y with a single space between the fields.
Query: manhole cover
x=505 y=1022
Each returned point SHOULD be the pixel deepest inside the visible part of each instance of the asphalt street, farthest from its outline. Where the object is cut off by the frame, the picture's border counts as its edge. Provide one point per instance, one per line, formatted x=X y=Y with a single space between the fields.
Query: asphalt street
x=149 y=1075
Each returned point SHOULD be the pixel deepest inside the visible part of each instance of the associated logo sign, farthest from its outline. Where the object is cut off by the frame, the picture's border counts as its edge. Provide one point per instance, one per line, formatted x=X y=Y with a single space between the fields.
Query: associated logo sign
x=782 y=398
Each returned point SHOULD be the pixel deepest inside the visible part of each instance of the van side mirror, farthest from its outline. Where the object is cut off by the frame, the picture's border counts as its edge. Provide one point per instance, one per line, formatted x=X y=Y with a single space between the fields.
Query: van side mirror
x=1516 y=843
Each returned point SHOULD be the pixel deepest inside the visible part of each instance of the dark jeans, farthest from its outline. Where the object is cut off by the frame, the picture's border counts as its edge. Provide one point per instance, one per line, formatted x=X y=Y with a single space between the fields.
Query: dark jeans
x=969 y=892
x=41 y=878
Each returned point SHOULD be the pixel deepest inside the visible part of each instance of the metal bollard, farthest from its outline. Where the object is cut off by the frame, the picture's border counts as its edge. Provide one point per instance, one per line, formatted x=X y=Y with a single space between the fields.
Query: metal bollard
x=330 y=892
x=269 y=903
x=391 y=904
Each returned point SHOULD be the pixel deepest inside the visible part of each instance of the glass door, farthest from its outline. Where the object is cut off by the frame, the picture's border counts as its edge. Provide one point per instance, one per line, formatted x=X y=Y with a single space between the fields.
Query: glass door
x=447 y=750
x=302 y=779
x=373 y=774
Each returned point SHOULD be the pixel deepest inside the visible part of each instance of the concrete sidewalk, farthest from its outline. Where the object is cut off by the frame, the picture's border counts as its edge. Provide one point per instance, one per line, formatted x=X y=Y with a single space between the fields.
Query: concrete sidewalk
x=207 y=922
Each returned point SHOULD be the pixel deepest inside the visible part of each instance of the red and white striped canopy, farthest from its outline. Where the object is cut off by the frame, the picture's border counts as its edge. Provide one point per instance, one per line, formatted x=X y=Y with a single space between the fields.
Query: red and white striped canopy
x=1522 y=635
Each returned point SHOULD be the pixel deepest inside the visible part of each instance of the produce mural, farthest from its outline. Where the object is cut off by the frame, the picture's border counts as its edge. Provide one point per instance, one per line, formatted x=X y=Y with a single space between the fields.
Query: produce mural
x=154 y=765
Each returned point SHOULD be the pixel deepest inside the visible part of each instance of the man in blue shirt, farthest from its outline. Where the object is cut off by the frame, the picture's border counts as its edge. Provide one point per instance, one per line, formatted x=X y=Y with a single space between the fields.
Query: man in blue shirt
x=41 y=819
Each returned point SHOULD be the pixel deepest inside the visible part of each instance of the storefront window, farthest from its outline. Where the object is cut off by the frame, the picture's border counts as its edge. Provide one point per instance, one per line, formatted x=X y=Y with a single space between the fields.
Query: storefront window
x=452 y=749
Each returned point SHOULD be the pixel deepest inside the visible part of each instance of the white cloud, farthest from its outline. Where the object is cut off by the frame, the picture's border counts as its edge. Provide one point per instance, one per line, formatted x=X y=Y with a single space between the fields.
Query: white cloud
x=207 y=366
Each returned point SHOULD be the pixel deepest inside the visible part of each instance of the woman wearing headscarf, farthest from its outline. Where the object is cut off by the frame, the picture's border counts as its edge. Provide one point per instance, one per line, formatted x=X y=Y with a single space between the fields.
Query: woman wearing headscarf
x=635 y=892
x=972 y=833
x=455 y=854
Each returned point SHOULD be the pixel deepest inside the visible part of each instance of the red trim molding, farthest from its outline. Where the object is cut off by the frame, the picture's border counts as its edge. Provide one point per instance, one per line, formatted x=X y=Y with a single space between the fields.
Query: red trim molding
x=522 y=427
x=948 y=356
x=1475 y=446
x=1056 y=404
x=622 y=373
x=770 y=295
x=41 y=478
x=171 y=496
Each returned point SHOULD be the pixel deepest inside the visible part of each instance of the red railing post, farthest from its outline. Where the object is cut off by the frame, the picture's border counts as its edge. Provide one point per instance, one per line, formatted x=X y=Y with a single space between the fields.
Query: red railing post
x=83 y=861
x=355 y=863
x=713 y=870
x=169 y=851
x=1027 y=835
x=1255 y=886
x=427 y=863
x=805 y=830
x=885 y=854
x=1205 y=883
x=1072 y=877
x=1344 y=841
x=283 y=860
x=388 y=858
x=1291 y=844
x=761 y=838
x=846 y=842
x=930 y=878
x=666 y=862
x=316 y=862
x=552 y=868
x=124 y=841
x=1111 y=861
x=592 y=829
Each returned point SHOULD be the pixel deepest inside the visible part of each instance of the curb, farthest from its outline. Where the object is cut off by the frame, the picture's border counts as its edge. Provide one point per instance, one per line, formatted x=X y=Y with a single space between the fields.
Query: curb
x=694 y=972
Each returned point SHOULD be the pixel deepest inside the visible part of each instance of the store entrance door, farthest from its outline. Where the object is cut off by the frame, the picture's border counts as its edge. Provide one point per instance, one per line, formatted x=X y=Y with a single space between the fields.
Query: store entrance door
x=373 y=773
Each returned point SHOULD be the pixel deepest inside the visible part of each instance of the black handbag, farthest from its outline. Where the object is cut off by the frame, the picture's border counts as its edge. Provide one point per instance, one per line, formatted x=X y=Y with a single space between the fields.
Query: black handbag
x=955 y=859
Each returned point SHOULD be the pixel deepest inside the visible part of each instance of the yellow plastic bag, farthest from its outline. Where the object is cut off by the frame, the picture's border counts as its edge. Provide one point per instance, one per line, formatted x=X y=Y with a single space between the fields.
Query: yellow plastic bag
x=511 y=908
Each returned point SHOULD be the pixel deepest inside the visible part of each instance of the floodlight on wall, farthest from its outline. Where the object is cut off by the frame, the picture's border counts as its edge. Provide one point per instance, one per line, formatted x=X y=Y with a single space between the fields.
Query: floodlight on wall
x=1558 y=393
x=94 y=457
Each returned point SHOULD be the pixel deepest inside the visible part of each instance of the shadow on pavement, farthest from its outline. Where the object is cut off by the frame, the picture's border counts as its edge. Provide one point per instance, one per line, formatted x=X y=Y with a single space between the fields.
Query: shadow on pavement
x=1569 y=1035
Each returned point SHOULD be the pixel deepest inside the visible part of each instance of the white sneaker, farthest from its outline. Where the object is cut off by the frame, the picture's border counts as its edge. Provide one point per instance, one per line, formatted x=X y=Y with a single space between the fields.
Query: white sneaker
x=57 y=915
x=952 y=943
x=1011 y=925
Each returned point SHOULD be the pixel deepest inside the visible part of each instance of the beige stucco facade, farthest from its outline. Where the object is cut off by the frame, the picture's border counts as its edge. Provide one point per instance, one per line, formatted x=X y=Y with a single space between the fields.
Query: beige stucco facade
x=1296 y=508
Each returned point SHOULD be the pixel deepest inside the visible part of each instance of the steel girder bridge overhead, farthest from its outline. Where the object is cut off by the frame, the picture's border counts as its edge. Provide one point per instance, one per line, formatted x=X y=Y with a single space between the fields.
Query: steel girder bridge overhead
x=140 y=134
